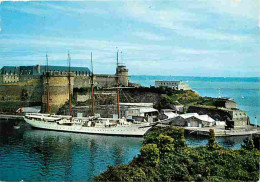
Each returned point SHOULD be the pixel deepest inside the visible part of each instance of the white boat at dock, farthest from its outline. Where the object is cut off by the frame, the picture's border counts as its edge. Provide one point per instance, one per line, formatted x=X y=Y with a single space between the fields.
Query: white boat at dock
x=89 y=124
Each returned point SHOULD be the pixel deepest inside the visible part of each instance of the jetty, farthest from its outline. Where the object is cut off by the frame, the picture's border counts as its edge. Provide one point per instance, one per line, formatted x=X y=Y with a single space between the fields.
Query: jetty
x=10 y=117
x=221 y=132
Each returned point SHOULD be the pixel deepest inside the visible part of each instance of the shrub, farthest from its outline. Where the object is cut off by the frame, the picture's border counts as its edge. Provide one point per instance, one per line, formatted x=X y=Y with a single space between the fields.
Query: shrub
x=160 y=160
x=212 y=144
x=248 y=144
x=149 y=154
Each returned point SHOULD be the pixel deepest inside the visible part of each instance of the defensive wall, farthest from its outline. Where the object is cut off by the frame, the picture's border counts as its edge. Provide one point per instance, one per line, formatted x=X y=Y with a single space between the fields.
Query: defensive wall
x=18 y=89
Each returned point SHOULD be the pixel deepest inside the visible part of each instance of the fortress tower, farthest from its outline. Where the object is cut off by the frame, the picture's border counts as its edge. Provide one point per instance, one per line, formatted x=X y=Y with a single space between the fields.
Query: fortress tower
x=122 y=73
x=58 y=90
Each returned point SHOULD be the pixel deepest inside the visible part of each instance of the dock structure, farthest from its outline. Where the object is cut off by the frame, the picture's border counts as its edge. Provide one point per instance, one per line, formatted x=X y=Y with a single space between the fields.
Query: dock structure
x=219 y=132
x=10 y=117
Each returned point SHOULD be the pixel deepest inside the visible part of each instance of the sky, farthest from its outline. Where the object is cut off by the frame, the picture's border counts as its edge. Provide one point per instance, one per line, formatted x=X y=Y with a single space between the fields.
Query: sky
x=212 y=38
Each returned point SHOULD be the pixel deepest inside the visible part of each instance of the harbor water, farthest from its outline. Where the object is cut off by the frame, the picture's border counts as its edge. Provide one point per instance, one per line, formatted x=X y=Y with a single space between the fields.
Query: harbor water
x=39 y=155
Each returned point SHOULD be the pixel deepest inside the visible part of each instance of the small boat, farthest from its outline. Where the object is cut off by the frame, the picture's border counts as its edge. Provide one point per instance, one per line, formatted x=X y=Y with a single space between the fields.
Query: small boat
x=17 y=126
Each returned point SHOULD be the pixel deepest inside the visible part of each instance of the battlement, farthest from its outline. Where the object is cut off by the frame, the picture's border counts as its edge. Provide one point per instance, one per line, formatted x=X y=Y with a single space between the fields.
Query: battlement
x=59 y=74
x=29 y=83
x=40 y=70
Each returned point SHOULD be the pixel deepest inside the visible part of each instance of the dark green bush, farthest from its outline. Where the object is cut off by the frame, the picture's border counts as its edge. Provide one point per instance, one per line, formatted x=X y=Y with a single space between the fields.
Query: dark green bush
x=165 y=157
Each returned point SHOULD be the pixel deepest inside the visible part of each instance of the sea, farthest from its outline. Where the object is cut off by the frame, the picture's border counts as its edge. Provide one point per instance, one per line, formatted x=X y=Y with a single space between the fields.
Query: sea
x=39 y=155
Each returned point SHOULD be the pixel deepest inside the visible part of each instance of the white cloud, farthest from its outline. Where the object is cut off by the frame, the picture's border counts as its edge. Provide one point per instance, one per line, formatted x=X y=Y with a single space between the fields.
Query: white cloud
x=40 y=8
x=185 y=22
x=150 y=36
x=148 y=12
x=80 y=49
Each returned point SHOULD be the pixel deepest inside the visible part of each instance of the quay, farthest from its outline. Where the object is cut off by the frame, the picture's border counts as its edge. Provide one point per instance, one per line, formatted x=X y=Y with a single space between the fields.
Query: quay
x=219 y=132
x=10 y=117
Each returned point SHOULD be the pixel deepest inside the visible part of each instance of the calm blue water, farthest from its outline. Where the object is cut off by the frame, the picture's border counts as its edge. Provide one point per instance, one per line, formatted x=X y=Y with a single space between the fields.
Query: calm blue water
x=38 y=155
x=245 y=91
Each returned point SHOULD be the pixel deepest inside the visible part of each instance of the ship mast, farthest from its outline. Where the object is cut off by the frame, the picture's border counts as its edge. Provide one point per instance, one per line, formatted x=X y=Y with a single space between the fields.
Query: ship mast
x=92 y=88
x=69 y=76
x=117 y=83
x=47 y=85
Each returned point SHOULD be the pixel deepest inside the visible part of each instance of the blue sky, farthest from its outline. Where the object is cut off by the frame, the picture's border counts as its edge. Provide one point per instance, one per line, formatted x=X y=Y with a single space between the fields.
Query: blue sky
x=182 y=38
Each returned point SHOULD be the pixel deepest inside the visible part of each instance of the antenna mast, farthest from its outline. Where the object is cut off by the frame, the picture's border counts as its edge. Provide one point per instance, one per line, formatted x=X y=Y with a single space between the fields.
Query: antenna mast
x=69 y=72
x=219 y=92
x=47 y=85
x=92 y=88
x=117 y=83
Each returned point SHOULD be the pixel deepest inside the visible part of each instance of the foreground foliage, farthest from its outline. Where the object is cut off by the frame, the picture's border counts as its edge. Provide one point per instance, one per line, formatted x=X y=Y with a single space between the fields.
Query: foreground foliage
x=166 y=157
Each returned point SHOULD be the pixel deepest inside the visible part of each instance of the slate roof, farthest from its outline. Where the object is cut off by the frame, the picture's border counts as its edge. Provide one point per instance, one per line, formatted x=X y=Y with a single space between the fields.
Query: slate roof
x=32 y=70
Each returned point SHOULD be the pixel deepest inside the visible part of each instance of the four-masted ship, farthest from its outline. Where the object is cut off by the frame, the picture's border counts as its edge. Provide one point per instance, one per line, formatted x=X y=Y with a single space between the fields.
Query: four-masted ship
x=91 y=124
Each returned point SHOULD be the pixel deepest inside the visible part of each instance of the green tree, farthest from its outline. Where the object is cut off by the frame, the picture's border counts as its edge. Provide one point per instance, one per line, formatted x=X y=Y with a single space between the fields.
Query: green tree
x=150 y=154
x=212 y=143
x=248 y=144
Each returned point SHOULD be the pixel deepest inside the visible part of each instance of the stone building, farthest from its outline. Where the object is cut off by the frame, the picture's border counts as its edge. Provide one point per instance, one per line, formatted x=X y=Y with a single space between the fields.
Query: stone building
x=239 y=117
x=177 y=85
x=26 y=85
x=226 y=103
x=193 y=120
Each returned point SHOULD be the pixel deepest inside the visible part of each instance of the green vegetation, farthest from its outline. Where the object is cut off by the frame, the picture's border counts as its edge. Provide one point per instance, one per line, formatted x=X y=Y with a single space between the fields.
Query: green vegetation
x=164 y=97
x=187 y=98
x=171 y=97
x=166 y=157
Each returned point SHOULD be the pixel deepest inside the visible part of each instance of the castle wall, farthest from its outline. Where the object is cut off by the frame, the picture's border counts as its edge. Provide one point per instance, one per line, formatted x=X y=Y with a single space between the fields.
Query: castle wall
x=105 y=80
x=59 y=91
x=29 y=89
x=15 y=95
x=82 y=81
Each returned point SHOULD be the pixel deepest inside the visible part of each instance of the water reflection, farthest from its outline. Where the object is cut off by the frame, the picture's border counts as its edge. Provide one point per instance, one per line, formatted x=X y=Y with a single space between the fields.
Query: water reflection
x=27 y=154
x=38 y=155
x=87 y=154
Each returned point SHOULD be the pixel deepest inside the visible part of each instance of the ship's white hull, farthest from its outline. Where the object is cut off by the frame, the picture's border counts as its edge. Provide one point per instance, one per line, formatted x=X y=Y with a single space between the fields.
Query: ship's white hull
x=130 y=130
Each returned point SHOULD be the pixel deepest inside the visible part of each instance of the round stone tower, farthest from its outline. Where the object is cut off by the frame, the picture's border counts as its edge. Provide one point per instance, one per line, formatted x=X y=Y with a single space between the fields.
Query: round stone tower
x=58 y=90
x=122 y=73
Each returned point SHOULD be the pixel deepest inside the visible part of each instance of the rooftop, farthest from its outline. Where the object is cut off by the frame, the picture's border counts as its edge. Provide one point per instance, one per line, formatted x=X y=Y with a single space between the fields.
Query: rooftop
x=39 y=70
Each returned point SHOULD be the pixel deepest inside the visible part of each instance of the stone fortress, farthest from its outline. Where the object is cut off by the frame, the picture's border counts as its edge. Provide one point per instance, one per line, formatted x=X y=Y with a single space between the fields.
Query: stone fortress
x=23 y=86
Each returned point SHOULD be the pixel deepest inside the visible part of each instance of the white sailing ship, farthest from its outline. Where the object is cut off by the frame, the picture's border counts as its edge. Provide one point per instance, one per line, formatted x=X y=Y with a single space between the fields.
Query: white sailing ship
x=91 y=124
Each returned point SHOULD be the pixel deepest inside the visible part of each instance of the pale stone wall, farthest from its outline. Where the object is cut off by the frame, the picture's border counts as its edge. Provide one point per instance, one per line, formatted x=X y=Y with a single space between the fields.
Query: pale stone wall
x=82 y=81
x=239 y=117
x=32 y=88
x=29 y=91
x=83 y=98
x=59 y=91
x=177 y=85
x=122 y=73
x=231 y=104
x=105 y=80
x=10 y=78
